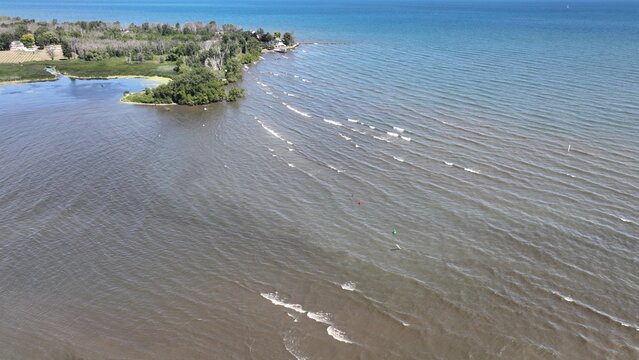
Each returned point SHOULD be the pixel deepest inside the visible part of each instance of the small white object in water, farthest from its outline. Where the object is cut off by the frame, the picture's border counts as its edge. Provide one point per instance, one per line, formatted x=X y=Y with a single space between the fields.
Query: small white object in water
x=205 y=109
x=397 y=246
x=568 y=147
x=350 y=286
x=203 y=125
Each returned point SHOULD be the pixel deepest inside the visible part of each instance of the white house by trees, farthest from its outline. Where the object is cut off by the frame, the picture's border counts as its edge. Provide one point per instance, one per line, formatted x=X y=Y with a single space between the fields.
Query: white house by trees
x=19 y=46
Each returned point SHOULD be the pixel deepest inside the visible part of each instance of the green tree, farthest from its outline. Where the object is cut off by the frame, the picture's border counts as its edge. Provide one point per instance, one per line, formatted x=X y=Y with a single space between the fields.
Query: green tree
x=233 y=69
x=288 y=39
x=20 y=30
x=267 y=37
x=234 y=94
x=277 y=34
x=47 y=38
x=195 y=87
x=5 y=40
x=28 y=40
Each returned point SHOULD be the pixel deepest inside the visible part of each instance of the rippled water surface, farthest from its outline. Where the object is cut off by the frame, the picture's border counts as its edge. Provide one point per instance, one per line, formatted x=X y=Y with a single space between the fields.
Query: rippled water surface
x=416 y=181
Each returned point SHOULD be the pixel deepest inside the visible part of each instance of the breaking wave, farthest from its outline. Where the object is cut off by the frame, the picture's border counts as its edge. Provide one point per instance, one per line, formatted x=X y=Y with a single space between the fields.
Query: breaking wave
x=270 y=131
x=295 y=110
x=332 y=122
x=338 y=334
x=320 y=317
x=276 y=300
x=350 y=286
x=596 y=311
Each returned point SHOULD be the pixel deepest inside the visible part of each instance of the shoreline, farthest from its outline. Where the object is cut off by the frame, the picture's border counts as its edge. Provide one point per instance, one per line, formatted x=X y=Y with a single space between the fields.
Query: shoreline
x=26 y=81
x=160 y=79
x=123 y=101
x=267 y=51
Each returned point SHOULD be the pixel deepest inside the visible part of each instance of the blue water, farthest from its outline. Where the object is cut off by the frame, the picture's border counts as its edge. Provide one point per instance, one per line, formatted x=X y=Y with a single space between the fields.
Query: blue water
x=500 y=139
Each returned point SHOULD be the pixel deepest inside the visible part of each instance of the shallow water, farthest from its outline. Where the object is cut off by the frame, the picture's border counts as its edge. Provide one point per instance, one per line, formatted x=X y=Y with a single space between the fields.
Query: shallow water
x=264 y=229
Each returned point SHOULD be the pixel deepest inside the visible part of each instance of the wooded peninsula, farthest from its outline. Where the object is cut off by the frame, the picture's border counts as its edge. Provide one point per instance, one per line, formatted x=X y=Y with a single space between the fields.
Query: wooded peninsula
x=202 y=61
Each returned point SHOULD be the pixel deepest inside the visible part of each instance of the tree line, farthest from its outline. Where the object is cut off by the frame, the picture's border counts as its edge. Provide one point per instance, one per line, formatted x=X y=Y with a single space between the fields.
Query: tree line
x=206 y=58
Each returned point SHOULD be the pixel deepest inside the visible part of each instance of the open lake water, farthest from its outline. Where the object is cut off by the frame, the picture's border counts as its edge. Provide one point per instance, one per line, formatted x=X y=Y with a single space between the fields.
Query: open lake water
x=419 y=180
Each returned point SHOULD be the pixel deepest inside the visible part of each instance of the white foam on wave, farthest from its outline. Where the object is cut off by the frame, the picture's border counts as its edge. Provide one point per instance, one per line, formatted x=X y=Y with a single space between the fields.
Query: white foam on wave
x=291 y=95
x=333 y=122
x=356 y=145
x=271 y=131
x=406 y=138
x=398 y=129
x=306 y=81
x=289 y=149
x=398 y=159
x=472 y=170
x=291 y=346
x=320 y=317
x=572 y=176
x=295 y=319
x=276 y=300
x=392 y=134
x=295 y=110
x=289 y=142
x=352 y=120
x=291 y=165
x=448 y=163
x=344 y=137
x=296 y=76
x=338 y=334
x=350 y=286
x=380 y=138
x=625 y=220
x=334 y=168
x=596 y=311
x=371 y=127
